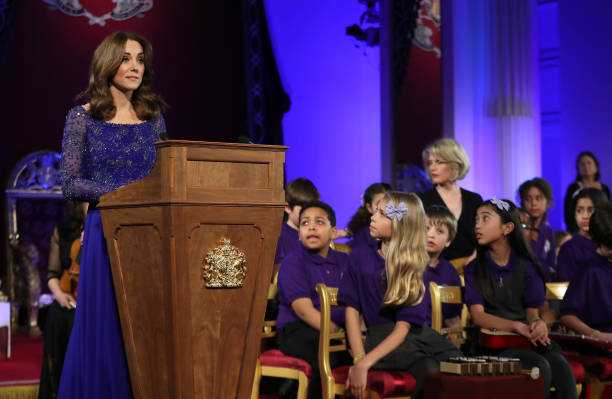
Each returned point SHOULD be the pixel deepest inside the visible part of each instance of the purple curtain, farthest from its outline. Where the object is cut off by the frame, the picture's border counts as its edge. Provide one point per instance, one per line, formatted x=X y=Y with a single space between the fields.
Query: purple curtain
x=404 y=19
x=267 y=101
x=8 y=13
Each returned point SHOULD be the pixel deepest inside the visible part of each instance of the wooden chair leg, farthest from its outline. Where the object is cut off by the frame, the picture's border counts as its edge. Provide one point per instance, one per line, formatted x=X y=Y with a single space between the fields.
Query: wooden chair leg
x=302 y=386
x=256 y=381
x=597 y=388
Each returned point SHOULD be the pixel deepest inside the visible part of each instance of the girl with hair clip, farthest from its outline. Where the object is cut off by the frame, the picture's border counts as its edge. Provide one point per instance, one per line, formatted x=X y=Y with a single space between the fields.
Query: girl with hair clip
x=359 y=226
x=579 y=251
x=386 y=288
x=504 y=288
x=107 y=143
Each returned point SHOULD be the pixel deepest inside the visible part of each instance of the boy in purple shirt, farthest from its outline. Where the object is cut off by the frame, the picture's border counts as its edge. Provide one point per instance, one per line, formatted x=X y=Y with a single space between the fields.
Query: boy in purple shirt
x=298 y=321
x=587 y=305
x=441 y=229
x=298 y=192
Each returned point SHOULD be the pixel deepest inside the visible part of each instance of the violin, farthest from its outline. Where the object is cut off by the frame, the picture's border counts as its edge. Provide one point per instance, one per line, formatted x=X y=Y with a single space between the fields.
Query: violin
x=70 y=278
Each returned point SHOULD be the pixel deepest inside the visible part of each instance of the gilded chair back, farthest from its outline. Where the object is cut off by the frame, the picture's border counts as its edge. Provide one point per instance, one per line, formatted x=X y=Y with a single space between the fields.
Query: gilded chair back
x=341 y=247
x=328 y=297
x=269 y=329
x=556 y=291
x=441 y=294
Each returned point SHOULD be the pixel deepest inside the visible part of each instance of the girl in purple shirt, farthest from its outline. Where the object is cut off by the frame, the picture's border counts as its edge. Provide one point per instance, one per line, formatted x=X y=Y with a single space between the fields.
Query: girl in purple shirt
x=387 y=288
x=536 y=197
x=504 y=288
x=359 y=226
x=587 y=305
x=579 y=251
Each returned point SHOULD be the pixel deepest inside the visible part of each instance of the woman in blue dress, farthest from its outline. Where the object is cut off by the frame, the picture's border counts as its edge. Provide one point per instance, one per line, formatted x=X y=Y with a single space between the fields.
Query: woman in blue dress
x=107 y=143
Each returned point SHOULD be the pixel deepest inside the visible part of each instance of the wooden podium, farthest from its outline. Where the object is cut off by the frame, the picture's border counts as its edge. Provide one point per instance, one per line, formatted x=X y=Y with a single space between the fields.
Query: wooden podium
x=192 y=247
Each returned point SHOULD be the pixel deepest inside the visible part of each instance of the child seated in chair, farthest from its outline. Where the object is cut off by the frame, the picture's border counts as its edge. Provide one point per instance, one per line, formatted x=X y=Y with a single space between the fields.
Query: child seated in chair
x=504 y=290
x=441 y=229
x=297 y=193
x=299 y=318
x=587 y=305
x=386 y=288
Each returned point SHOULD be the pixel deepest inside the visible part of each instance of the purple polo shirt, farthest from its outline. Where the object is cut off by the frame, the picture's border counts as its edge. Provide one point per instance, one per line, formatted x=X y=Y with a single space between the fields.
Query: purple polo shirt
x=443 y=274
x=288 y=242
x=589 y=295
x=534 y=294
x=298 y=277
x=363 y=238
x=366 y=287
x=544 y=248
x=578 y=252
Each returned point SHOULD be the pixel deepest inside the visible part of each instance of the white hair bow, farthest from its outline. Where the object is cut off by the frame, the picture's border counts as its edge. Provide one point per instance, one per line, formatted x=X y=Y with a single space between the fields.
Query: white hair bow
x=392 y=212
x=501 y=204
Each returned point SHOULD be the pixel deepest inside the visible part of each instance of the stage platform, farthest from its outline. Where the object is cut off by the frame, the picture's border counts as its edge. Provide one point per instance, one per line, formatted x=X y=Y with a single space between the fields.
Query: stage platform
x=19 y=375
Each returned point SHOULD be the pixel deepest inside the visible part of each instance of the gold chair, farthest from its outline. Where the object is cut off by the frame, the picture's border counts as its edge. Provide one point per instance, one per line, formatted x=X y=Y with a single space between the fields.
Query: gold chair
x=340 y=247
x=273 y=363
x=381 y=384
x=556 y=291
x=441 y=294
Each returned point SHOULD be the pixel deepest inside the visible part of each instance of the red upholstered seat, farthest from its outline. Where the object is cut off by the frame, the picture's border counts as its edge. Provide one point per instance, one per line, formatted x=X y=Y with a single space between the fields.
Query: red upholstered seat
x=601 y=367
x=578 y=370
x=386 y=383
x=276 y=358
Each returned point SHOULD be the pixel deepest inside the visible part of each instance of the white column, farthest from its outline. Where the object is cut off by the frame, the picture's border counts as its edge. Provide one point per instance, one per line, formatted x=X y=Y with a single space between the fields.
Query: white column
x=492 y=92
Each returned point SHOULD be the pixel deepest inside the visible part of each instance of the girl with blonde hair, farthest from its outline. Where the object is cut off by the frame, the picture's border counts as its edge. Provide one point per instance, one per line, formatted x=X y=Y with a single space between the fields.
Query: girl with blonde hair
x=386 y=287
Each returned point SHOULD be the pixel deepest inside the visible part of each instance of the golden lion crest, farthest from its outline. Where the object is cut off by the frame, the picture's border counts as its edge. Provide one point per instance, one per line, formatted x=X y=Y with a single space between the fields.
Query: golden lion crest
x=224 y=266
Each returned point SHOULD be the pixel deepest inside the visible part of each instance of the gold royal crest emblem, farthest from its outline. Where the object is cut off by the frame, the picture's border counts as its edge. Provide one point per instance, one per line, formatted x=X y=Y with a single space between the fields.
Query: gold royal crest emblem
x=224 y=266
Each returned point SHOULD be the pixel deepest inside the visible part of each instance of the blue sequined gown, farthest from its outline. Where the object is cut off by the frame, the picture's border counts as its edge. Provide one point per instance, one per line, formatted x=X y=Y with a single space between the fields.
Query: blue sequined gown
x=98 y=157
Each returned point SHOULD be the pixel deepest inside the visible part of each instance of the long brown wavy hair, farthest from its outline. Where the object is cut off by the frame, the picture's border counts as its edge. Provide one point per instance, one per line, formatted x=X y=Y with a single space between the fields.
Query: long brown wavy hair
x=104 y=65
x=407 y=256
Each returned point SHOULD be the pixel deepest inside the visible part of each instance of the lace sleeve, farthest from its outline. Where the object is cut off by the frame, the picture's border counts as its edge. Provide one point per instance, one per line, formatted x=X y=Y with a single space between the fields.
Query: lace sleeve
x=74 y=185
x=159 y=126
